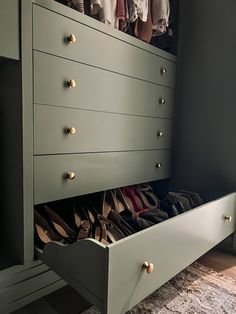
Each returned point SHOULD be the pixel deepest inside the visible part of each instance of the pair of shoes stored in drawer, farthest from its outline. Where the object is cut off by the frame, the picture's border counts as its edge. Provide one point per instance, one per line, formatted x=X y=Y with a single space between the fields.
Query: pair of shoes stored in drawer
x=118 y=276
x=73 y=40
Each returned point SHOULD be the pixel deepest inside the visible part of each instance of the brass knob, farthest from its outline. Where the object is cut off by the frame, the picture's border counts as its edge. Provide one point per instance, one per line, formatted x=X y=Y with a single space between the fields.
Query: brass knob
x=70 y=175
x=163 y=71
x=228 y=218
x=149 y=267
x=71 y=131
x=162 y=101
x=71 y=83
x=160 y=134
x=158 y=165
x=71 y=39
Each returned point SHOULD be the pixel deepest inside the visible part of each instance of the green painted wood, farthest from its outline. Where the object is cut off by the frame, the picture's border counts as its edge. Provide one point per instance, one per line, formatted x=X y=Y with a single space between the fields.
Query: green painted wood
x=83 y=265
x=86 y=20
x=27 y=129
x=18 y=303
x=171 y=246
x=9 y=29
x=97 y=89
x=134 y=62
x=26 y=287
x=96 y=131
x=95 y=172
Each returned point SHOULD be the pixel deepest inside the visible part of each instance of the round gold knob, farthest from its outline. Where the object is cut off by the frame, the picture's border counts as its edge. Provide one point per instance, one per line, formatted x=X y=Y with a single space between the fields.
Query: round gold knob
x=228 y=218
x=149 y=267
x=158 y=165
x=160 y=134
x=163 y=71
x=71 y=83
x=162 y=101
x=70 y=175
x=71 y=39
x=71 y=131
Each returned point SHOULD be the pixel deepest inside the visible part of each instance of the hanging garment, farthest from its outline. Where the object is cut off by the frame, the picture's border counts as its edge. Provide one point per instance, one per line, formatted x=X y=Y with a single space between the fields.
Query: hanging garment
x=160 y=16
x=106 y=11
x=121 y=13
x=137 y=8
x=143 y=30
x=76 y=4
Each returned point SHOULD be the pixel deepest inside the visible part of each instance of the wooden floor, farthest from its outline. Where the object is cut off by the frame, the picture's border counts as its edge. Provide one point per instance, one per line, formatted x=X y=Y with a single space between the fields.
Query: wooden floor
x=67 y=301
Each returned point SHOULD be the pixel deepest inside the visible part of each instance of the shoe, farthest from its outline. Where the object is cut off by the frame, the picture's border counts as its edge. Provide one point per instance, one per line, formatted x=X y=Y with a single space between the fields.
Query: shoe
x=148 y=198
x=60 y=225
x=82 y=222
x=104 y=230
x=44 y=233
x=134 y=200
x=111 y=209
x=197 y=200
x=174 y=198
x=128 y=213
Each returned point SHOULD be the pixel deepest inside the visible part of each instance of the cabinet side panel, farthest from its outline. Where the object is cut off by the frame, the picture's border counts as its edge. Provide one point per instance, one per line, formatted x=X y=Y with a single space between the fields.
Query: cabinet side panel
x=9 y=29
x=11 y=213
x=205 y=128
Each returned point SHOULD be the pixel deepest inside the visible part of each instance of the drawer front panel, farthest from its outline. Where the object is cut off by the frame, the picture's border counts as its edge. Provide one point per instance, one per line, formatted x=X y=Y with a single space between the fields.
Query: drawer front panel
x=95 y=172
x=97 y=89
x=170 y=246
x=90 y=46
x=96 y=131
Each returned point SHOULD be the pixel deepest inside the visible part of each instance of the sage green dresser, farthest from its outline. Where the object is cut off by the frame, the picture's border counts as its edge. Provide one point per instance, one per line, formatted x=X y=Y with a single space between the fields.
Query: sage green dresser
x=93 y=109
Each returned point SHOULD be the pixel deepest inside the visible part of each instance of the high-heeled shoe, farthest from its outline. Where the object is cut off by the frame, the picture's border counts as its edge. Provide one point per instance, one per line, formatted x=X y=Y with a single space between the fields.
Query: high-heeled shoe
x=155 y=215
x=82 y=221
x=62 y=228
x=104 y=226
x=44 y=233
x=111 y=208
x=128 y=213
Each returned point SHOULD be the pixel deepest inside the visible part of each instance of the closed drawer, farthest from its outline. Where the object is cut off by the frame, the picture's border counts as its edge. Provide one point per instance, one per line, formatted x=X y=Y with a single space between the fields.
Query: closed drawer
x=95 y=172
x=96 y=131
x=116 y=282
x=91 y=44
x=97 y=89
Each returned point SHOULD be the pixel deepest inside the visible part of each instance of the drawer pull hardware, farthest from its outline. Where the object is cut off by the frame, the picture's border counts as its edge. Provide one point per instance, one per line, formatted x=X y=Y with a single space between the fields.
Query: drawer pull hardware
x=71 y=39
x=71 y=83
x=160 y=134
x=163 y=71
x=228 y=218
x=70 y=175
x=162 y=101
x=149 y=267
x=71 y=131
x=158 y=165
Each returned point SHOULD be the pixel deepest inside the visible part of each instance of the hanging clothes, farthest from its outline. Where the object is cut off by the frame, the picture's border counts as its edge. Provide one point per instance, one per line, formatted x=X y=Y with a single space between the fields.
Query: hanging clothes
x=143 y=30
x=121 y=13
x=137 y=8
x=76 y=4
x=160 y=16
x=106 y=11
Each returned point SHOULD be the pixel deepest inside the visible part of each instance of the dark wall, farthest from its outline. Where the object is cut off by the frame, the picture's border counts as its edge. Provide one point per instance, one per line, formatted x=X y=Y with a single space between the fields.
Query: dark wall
x=204 y=156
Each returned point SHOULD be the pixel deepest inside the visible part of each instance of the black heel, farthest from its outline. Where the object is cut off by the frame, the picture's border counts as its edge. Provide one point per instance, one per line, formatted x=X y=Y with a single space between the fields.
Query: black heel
x=43 y=232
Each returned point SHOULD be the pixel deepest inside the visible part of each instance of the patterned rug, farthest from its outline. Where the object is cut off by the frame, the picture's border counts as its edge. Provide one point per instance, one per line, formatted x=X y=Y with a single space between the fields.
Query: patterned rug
x=196 y=290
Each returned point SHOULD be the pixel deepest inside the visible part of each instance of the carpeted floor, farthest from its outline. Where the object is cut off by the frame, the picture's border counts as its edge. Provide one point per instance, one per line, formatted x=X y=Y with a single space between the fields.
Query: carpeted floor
x=196 y=290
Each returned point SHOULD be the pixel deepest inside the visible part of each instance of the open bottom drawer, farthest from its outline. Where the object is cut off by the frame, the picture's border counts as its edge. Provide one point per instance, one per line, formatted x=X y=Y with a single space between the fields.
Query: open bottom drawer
x=112 y=277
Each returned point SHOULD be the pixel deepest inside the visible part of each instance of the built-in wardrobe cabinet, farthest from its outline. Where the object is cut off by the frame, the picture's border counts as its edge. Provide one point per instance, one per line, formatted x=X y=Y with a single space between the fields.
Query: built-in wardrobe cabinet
x=140 y=115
